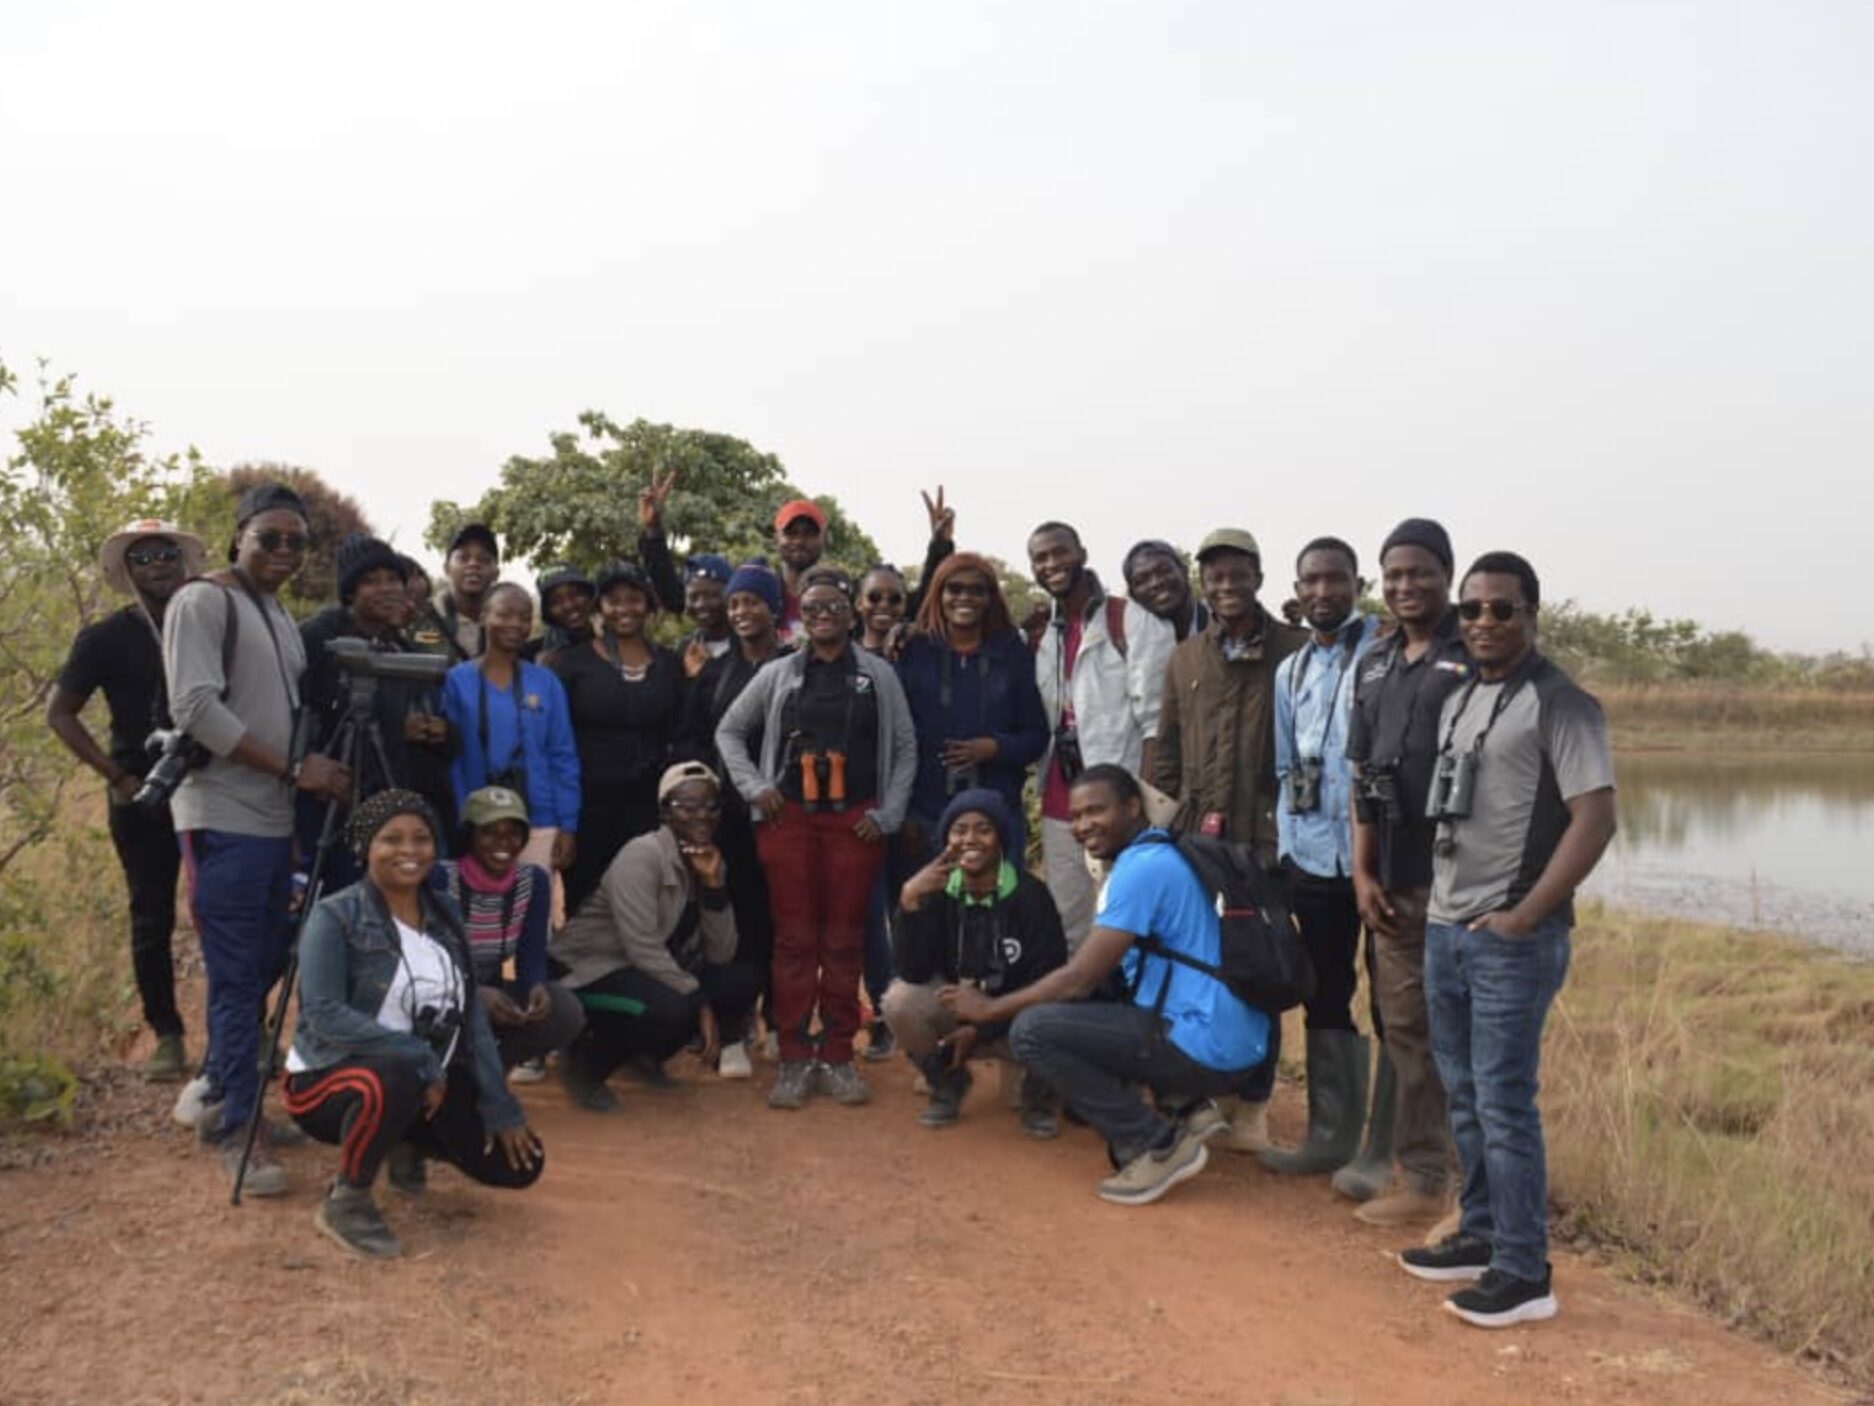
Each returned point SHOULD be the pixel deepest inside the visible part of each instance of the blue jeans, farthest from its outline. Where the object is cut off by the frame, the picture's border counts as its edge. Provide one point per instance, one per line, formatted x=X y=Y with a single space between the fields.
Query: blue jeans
x=1097 y=1054
x=239 y=889
x=1488 y=996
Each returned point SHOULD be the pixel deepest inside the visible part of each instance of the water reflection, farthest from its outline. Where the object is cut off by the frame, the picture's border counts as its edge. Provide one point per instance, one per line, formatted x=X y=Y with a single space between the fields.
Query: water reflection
x=1771 y=841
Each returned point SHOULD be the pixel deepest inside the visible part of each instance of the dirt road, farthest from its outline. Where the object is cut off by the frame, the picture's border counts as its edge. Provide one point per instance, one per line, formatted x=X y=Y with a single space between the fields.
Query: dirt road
x=697 y=1247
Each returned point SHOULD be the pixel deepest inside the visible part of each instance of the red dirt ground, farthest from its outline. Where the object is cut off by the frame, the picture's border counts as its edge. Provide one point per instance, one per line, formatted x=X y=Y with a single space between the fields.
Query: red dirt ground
x=698 y=1247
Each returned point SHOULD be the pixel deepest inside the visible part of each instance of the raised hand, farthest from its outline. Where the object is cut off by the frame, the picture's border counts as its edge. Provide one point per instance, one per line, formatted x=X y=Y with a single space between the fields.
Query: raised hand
x=943 y=521
x=651 y=499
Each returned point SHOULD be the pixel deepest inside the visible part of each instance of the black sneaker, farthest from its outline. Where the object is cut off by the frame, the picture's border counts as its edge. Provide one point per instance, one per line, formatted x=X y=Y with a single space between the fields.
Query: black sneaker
x=1456 y=1257
x=880 y=1043
x=1498 y=1300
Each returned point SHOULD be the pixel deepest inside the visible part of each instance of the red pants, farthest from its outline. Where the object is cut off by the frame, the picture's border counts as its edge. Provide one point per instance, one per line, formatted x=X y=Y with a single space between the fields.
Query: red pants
x=819 y=878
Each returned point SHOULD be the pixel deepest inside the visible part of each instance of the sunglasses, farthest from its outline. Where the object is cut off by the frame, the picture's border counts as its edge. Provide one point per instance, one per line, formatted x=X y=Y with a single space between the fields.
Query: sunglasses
x=975 y=589
x=272 y=540
x=811 y=610
x=151 y=556
x=1500 y=610
x=884 y=597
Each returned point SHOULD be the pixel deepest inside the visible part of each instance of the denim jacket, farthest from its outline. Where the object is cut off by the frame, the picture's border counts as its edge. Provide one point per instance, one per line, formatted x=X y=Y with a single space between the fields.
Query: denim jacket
x=348 y=956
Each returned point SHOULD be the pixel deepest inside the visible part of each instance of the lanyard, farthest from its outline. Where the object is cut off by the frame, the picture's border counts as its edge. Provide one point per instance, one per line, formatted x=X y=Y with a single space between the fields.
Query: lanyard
x=1349 y=644
x=1504 y=694
x=279 y=654
x=481 y=719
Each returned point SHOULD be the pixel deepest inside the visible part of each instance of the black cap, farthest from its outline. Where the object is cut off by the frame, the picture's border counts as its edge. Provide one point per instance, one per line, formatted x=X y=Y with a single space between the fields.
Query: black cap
x=1420 y=532
x=264 y=498
x=559 y=576
x=476 y=532
x=358 y=555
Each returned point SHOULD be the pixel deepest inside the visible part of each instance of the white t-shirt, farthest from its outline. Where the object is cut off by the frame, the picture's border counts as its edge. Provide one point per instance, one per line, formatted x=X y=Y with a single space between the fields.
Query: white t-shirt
x=426 y=976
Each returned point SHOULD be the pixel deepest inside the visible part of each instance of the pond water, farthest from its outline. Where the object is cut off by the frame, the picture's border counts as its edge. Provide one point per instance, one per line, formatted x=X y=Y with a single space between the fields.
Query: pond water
x=1784 y=843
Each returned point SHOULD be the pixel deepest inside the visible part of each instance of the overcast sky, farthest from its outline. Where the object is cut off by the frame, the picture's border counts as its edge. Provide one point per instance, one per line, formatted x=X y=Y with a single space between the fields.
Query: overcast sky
x=1590 y=281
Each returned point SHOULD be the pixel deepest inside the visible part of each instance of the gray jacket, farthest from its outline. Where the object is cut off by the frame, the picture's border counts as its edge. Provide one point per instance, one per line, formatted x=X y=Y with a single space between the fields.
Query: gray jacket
x=759 y=706
x=628 y=920
x=262 y=687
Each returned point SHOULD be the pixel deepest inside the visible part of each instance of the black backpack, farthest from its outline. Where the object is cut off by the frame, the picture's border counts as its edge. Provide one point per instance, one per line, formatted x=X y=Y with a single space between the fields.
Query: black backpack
x=1262 y=961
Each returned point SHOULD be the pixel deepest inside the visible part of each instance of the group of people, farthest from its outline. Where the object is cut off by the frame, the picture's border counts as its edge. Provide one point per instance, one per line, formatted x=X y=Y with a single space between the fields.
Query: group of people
x=805 y=825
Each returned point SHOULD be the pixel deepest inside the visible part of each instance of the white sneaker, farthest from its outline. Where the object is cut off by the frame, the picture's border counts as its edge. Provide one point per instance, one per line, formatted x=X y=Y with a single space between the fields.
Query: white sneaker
x=734 y=1063
x=192 y=1102
x=528 y=1071
x=771 y=1047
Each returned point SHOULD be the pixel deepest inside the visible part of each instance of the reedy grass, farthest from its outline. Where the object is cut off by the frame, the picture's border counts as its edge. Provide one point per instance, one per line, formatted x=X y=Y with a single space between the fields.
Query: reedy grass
x=1731 y=718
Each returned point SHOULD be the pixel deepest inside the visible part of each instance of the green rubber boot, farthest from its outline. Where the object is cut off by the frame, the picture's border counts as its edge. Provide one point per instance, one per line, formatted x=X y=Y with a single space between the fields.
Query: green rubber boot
x=1337 y=1066
x=1369 y=1174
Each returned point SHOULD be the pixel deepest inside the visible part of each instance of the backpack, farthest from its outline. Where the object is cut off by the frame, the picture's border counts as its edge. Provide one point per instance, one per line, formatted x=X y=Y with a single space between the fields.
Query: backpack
x=1116 y=623
x=1262 y=959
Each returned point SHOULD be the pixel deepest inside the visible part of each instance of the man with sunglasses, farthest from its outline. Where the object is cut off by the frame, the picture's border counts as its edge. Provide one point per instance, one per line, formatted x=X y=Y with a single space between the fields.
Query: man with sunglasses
x=234 y=661
x=123 y=655
x=1523 y=795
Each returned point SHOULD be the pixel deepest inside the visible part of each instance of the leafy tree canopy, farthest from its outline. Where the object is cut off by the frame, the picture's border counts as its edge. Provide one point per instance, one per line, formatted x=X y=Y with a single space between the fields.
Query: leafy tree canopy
x=579 y=504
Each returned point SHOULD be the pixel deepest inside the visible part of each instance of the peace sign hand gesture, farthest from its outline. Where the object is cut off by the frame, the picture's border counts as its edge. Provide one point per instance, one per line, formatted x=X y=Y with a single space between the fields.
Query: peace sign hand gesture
x=651 y=500
x=943 y=521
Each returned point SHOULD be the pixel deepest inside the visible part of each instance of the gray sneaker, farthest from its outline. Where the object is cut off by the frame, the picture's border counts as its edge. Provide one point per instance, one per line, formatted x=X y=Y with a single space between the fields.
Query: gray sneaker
x=1154 y=1172
x=265 y=1176
x=842 y=1084
x=1203 y=1120
x=793 y=1086
x=348 y=1215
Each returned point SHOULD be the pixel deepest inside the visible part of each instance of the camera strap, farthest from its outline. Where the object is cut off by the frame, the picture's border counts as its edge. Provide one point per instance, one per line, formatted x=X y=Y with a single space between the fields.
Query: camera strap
x=1505 y=693
x=518 y=750
x=279 y=651
x=1351 y=636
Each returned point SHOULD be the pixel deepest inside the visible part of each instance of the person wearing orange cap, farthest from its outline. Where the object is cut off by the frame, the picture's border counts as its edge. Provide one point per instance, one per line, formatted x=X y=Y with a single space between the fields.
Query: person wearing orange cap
x=123 y=655
x=799 y=540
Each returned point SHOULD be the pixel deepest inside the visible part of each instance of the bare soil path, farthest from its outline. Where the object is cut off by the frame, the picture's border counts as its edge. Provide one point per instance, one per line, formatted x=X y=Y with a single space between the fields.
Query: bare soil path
x=698 y=1247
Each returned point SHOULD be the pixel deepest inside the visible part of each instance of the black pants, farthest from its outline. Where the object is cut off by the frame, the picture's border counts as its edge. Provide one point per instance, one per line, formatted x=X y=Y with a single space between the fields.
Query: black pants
x=1330 y=929
x=365 y=1107
x=630 y=1014
x=152 y=858
x=610 y=817
x=748 y=896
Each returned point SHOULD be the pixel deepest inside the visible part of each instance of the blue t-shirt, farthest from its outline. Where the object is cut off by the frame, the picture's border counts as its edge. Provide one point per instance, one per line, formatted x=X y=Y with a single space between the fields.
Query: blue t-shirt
x=1153 y=892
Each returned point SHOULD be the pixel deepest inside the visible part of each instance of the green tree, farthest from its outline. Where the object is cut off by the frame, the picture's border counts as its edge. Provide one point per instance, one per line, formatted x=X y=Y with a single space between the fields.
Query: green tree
x=579 y=503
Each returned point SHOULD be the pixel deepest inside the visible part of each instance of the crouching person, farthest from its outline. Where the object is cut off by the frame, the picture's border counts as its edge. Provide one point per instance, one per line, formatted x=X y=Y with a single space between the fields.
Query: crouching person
x=393 y=1045
x=970 y=915
x=505 y=907
x=651 y=952
x=1182 y=1034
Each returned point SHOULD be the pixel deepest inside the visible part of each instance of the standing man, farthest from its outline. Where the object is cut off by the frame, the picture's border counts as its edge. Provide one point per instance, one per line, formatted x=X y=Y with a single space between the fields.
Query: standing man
x=1100 y=664
x=1156 y=579
x=233 y=660
x=473 y=563
x=799 y=540
x=1314 y=789
x=1524 y=795
x=123 y=655
x=1216 y=749
x=1393 y=744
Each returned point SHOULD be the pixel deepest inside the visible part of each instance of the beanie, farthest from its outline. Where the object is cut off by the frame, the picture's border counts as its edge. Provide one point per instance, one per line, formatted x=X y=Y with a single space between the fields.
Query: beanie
x=358 y=556
x=1420 y=532
x=982 y=801
x=377 y=812
x=708 y=566
x=757 y=580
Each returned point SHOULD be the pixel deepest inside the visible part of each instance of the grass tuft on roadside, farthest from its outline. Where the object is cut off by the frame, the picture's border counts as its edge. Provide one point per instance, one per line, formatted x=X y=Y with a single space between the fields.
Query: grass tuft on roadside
x=1709 y=1100
x=1736 y=718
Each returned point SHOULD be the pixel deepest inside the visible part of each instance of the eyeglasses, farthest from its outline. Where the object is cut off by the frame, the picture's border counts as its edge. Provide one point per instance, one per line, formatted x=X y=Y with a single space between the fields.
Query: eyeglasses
x=976 y=589
x=1500 y=610
x=272 y=540
x=810 y=610
x=695 y=808
x=151 y=556
x=884 y=597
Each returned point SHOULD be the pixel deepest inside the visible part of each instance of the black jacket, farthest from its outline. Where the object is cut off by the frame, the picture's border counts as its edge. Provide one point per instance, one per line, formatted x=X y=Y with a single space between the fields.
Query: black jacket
x=1005 y=945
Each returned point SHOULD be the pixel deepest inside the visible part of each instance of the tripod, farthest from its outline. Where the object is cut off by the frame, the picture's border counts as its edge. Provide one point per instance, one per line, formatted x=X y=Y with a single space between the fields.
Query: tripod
x=358 y=739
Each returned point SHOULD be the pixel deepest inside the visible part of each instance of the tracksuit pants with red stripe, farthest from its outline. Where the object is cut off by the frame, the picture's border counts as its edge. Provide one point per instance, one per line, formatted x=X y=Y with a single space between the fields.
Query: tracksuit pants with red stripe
x=365 y=1107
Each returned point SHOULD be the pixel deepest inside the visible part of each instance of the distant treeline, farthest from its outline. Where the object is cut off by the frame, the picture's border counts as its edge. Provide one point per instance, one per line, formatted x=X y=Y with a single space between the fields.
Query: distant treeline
x=1637 y=647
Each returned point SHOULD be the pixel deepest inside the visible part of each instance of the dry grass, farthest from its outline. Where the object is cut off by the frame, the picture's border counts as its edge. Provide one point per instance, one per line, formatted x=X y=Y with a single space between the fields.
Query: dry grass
x=1713 y=717
x=1709 y=1097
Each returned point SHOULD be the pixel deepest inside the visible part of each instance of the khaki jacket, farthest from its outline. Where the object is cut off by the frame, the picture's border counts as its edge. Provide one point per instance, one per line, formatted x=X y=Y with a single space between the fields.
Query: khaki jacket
x=1216 y=733
x=628 y=920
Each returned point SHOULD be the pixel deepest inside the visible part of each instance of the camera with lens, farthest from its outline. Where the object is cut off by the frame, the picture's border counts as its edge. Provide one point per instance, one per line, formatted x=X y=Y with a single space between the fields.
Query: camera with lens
x=1376 y=795
x=437 y=1026
x=1304 y=786
x=1454 y=786
x=174 y=754
x=1067 y=752
x=959 y=779
x=356 y=656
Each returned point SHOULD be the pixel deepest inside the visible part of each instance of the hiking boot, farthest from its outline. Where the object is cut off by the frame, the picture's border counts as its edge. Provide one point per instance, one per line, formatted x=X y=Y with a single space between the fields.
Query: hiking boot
x=880 y=1043
x=1337 y=1066
x=265 y=1176
x=406 y=1170
x=1409 y=1202
x=947 y=1090
x=1248 y=1129
x=842 y=1084
x=196 y=1095
x=734 y=1062
x=793 y=1086
x=1203 y=1120
x=582 y=1088
x=1154 y=1172
x=348 y=1215
x=271 y=1134
x=1037 y=1102
x=1498 y=1300
x=168 y=1062
x=1370 y=1173
x=1457 y=1257
x=529 y=1071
